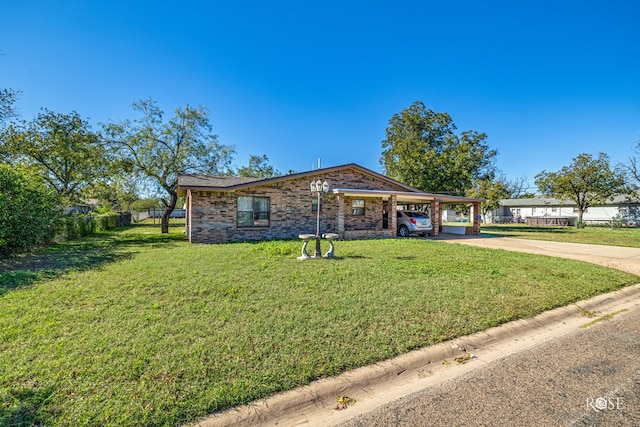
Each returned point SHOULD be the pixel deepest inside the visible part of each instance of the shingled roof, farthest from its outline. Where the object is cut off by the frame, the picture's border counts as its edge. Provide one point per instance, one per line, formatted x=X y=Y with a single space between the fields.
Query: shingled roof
x=206 y=181
x=225 y=183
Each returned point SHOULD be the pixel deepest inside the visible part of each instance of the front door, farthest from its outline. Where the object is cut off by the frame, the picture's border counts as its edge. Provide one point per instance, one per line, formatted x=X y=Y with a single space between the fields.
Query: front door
x=385 y=215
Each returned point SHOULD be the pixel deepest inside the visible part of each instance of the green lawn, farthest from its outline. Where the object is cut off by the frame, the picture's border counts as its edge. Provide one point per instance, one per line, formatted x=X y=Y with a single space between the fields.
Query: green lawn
x=138 y=329
x=629 y=237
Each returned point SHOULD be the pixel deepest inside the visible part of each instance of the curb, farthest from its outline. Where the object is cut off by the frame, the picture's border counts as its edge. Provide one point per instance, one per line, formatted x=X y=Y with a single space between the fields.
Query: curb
x=324 y=392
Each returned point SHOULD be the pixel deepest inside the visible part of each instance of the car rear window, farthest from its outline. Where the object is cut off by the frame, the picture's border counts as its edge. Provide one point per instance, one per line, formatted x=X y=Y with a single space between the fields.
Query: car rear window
x=416 y=215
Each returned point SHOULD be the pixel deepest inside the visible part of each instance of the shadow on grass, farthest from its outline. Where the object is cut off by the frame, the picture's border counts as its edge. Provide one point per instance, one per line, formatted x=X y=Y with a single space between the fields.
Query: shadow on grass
x=406 y=257
x=83 y=254
x=26 y=406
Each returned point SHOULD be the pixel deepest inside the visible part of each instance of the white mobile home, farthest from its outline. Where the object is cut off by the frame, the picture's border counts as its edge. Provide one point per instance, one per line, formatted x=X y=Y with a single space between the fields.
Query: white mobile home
x=541 y=210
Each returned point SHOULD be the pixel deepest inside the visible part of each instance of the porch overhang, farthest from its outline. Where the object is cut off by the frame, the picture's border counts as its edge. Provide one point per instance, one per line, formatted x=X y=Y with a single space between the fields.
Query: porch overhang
x=405 y=196
x=416 y=197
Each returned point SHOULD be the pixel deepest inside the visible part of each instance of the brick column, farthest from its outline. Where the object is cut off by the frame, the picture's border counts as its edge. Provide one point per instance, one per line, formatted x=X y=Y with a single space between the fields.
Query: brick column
x=188 y=216
x=393 y=215
x=477 y=216
x=436 y=217
x=340 y=215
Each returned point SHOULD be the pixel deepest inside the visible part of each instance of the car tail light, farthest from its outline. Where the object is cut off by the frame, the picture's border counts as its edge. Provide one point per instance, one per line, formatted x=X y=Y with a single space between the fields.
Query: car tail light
x=412 y=221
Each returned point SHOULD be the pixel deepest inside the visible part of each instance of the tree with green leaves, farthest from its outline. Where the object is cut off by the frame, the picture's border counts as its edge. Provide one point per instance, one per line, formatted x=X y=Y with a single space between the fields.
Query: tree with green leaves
x=117 y=190
x=8 y=98
x=492 y=190
x=61 y=147
x=7 y=112
x=423 y=149
x=159 y=150
x=518 y=189
x=633 y=171
x=258 y=167
x=29 y=211
x=586 y=182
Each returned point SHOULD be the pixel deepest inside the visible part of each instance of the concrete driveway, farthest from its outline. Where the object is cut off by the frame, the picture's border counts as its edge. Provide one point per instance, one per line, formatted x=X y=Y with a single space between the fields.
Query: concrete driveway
x=392 y=393
x=625 y=259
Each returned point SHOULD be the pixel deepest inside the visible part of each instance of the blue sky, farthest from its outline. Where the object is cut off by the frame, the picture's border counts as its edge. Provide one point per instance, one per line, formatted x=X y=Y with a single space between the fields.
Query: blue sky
x=298 y=80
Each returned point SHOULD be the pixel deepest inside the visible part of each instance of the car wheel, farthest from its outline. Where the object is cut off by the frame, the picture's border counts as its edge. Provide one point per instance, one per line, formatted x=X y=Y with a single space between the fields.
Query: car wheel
x=403 y=231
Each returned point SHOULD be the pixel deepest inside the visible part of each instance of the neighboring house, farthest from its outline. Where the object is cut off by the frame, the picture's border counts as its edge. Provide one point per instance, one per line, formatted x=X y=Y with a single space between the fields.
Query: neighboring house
x=540 y=210
x=84 y=207
x=360 y=204
x=159 y=213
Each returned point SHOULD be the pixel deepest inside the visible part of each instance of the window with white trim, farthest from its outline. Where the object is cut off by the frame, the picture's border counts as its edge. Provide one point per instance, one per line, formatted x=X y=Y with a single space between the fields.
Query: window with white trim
x=357 y=207
x=253 y=211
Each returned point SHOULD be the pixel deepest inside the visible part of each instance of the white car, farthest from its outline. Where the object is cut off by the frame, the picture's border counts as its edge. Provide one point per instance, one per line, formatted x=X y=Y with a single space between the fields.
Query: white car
x=410 y=222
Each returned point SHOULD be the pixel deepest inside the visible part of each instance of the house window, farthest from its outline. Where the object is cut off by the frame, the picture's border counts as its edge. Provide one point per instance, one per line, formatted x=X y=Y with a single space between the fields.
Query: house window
x=357 y=207
x=314 y=205
x=253 y=211
x=533 y=210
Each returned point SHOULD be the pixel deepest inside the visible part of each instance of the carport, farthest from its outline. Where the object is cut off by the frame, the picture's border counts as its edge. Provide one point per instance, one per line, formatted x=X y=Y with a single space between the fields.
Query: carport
x=392 y=199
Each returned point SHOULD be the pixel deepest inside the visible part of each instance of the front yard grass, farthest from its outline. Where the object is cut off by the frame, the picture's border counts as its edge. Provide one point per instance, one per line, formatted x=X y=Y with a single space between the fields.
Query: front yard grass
x=134 y=328
x=629 y=237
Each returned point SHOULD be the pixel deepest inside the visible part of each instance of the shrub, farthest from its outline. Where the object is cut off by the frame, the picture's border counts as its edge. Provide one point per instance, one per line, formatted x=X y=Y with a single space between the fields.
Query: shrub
x=78 y=225
x=106 y=221
x=29 y=211
x=74 y=226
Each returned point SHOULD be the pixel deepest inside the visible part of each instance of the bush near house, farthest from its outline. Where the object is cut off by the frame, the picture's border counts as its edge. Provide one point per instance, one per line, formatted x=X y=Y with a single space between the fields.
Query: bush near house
x=29 y=211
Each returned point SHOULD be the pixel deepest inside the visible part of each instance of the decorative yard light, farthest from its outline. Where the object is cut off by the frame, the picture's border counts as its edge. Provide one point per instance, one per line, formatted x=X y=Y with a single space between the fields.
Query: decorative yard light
x=319 y=188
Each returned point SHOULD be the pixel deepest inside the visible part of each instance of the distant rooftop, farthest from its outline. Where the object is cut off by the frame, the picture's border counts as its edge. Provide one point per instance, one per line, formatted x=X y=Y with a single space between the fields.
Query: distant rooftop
x=550 y=201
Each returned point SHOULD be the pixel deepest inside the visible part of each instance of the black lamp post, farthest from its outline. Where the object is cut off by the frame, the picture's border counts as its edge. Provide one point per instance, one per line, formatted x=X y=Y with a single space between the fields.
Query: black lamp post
x=319 y=188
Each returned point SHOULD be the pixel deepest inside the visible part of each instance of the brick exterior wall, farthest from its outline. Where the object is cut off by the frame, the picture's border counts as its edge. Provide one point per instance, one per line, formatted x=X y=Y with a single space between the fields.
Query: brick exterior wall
x=212 y=216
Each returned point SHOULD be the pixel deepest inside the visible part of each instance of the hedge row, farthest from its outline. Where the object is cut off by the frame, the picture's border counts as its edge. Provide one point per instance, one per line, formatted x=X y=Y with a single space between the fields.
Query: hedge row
x=29 y=211
x=30 y=214
x=80 y=225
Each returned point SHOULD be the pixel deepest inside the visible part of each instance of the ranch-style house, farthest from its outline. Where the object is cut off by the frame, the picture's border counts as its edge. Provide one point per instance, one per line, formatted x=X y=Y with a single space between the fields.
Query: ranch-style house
x=359 y=204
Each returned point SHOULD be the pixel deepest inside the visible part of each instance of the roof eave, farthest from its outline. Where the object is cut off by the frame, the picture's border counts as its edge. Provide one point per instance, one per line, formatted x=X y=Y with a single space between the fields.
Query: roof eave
x=406 y=195
x=268 y=181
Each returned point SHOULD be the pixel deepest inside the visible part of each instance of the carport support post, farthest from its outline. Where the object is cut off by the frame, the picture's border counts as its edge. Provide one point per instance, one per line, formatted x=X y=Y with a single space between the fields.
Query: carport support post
x=477 y=218
x=436 y=217
x=393 y=215
x=340 y=214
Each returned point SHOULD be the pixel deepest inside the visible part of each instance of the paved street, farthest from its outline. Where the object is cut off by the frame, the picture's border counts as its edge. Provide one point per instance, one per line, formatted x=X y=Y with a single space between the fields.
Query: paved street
x=586 y=378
